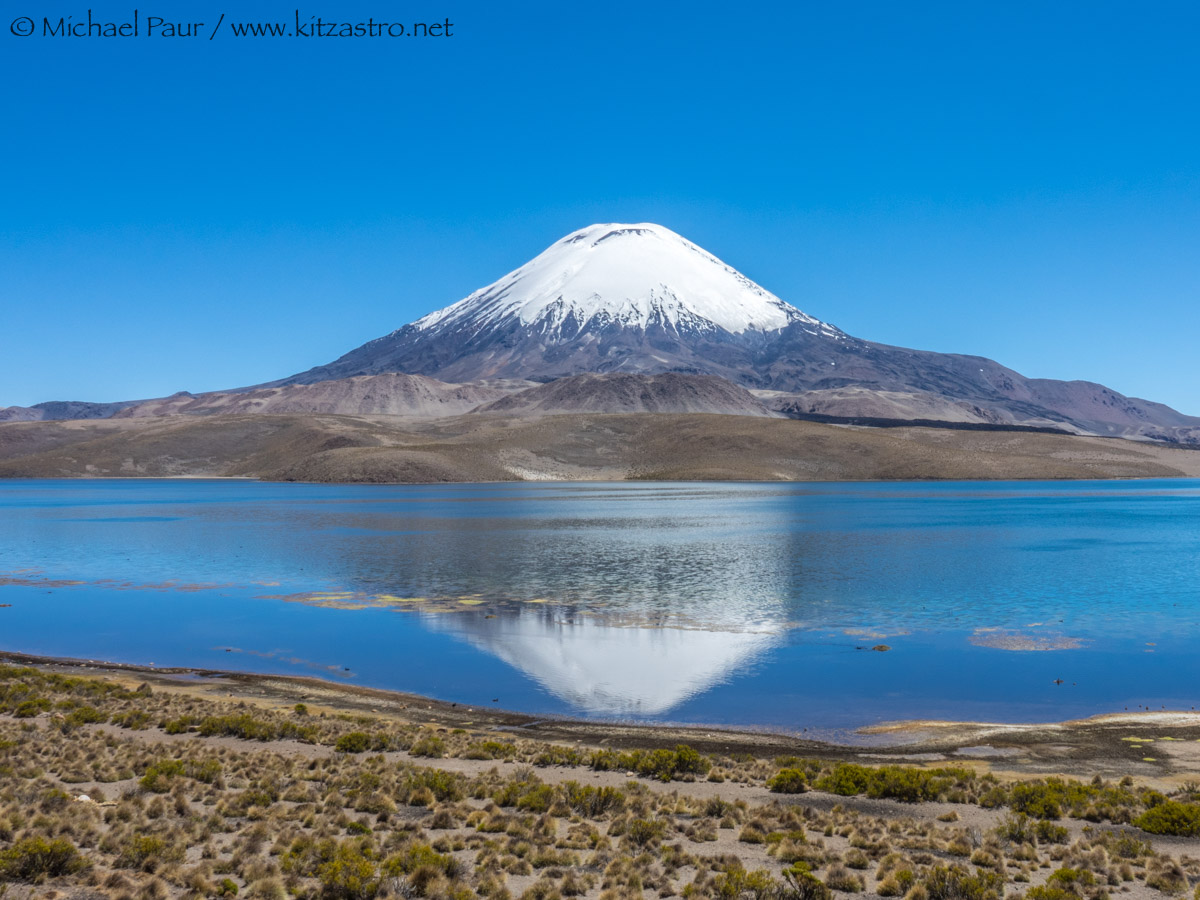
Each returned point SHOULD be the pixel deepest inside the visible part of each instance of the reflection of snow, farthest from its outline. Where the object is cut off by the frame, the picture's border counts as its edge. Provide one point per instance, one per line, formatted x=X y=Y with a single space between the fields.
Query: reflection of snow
x=610 y=670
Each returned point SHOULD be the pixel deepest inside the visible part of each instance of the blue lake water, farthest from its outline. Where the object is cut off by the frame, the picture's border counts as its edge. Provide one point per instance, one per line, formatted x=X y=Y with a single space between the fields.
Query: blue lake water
x=735 y=604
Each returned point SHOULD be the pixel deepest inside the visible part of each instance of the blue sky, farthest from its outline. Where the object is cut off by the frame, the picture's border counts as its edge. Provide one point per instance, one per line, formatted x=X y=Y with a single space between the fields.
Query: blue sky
x=1015 y=180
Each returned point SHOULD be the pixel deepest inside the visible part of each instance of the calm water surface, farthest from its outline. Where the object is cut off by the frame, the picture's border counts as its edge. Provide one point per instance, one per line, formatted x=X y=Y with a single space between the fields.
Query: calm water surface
x=729 y=604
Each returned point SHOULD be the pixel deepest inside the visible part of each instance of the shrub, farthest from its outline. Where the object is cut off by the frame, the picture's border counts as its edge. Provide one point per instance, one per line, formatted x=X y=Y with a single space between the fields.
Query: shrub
x=1038 y=800
x=306 y=855
x=444 y=785
x=1171 y=817
x=842 y=879
x=1050 y=892
x=737 y=882
x=350 y=875
x=27 y=709
x=664 y=765
x=418 y=856
x=353 y=742
x=644 y=832
x=160 y=776
x=788 y=781
x=490 y=750
x=846 y=780
x=799 y=883
x=538 y=798
x=182 y=725
x=431 y=747
x=146 y=852
x=591 y=801
x=1068 y=878
x=84 y=715
x=1049 y=833
x=956 y=883
x=1016 y=829
x=135 y=719
x=247 y=727
x=555 y=755
x=34 y=858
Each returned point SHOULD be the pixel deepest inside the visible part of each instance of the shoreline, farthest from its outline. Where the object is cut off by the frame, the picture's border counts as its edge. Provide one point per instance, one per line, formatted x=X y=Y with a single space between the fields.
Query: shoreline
x=1116 y=743
x=259 y=479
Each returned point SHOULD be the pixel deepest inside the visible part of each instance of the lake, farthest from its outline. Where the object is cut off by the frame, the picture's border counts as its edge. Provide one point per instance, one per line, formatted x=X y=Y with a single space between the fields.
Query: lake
x=731 y=604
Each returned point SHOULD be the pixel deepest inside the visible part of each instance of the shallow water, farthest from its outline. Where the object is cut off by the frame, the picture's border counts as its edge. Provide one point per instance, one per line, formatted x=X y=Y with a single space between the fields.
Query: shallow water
x=730 y=604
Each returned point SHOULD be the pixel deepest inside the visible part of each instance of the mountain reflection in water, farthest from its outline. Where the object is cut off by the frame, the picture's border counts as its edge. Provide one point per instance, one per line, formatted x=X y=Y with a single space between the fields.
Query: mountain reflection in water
x=606 y=669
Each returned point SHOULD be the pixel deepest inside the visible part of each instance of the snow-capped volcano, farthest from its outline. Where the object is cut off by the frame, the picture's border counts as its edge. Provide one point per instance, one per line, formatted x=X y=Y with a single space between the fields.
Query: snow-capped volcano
x=632 y=276
x=607 y=298
x=641 y=300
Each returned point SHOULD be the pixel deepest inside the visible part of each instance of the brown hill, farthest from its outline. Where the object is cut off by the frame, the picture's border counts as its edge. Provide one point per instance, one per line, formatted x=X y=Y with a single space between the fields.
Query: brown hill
x=624 y=393
x=565 y=447
x=391 y=394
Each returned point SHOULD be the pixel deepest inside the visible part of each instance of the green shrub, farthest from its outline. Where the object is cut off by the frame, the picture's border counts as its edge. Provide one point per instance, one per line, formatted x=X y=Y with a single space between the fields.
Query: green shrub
x=788 y=781
x=431 y=747
x=1171 y=817
x=305 y=856
x=27 y=709
x=592 y=802
x=444 y=785
x=490 y=750
x=644 y=832
x=34 y=858
x=846 y=780
x=737 y=882
x=1016 y=829
x=134 y=719
x=555 y=755
x=160 y=776
x=84 y=715
x=537 y=799
x=247 y=727
x=799 y=883
x=957 y=883
x=147 y=852
x=1050 y=892
x=350 y=875
x=353 y=742
x=1049 y=833
x=1068 y=878
x=664 y=765
x=419 y=856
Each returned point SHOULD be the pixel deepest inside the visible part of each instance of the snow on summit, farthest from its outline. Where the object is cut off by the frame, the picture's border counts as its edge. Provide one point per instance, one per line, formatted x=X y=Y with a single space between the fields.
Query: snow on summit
x=629 y=275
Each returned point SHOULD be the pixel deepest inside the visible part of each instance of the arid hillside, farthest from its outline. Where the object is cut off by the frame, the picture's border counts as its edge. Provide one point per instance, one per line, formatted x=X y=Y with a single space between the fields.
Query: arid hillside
x=327 y=448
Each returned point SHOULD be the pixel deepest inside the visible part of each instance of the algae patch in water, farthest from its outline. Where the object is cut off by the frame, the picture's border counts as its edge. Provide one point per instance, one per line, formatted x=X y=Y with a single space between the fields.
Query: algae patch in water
x=1000 y=639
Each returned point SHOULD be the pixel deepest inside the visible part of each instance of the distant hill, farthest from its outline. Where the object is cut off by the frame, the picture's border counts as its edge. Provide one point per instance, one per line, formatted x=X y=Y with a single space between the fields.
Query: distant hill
x=621 y=393
x=391 y=394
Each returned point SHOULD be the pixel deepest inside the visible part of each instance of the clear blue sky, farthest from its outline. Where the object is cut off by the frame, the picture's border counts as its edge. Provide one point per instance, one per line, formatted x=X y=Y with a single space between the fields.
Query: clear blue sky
x=1016 y=180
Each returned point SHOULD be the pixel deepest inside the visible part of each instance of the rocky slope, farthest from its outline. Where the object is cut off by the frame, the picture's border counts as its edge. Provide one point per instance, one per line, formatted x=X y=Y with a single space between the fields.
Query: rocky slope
x=621 y=393
x=391 y=394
